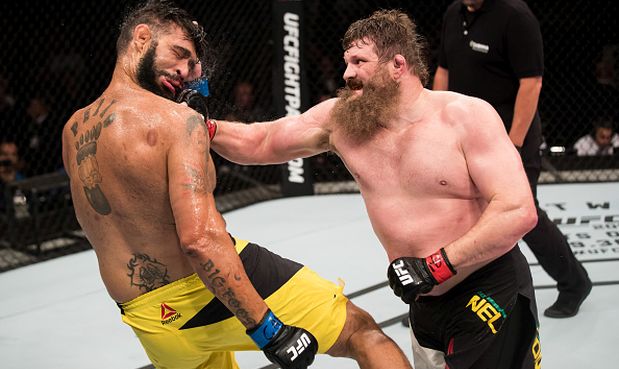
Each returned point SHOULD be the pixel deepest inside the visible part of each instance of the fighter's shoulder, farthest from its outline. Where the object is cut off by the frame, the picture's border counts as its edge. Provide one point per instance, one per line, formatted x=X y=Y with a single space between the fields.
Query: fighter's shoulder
x=79 y=118
x=323 y=108
x=456 y=107
x=319 y=115
x=165 y=116
x=175 y=115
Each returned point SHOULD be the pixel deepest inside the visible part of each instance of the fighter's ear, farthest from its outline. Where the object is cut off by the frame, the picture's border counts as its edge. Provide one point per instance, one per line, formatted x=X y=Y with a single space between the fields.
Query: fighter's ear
x=142 y=34
x=399 y=65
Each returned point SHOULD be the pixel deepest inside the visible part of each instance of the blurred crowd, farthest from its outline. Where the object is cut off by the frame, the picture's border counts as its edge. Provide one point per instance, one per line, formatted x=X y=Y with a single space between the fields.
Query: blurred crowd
x=31 y=117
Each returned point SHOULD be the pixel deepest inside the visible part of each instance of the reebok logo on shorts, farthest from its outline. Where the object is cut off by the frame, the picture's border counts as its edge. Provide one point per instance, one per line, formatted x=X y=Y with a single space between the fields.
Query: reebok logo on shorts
x=486 y=309
x=168 y=314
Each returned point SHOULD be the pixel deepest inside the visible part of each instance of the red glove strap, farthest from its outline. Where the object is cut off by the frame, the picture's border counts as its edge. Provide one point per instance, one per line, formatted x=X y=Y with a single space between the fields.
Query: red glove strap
x=439 y=266
x=211 y=126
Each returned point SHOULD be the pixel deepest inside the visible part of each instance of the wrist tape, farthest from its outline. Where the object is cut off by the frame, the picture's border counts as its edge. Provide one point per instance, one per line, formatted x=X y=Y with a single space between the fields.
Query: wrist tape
x=439 y=266
x=211 y=127
x=268 y=328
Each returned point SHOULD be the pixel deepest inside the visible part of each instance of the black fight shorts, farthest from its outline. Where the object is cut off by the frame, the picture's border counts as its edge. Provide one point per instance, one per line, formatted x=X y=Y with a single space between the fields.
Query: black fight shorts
x=489 y=320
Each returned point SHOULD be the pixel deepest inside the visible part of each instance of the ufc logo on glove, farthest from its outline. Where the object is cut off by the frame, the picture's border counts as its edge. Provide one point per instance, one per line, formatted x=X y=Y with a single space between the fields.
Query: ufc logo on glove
x=411 y=276
x=403 y=275
x=302 y=343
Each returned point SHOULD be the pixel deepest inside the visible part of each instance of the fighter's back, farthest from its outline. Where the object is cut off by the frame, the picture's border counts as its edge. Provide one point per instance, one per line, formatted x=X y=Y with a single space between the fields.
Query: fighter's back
x=115 y=152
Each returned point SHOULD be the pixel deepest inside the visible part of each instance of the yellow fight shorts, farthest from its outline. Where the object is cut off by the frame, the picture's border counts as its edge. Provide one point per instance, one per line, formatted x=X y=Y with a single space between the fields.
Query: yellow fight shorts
x=182 y=325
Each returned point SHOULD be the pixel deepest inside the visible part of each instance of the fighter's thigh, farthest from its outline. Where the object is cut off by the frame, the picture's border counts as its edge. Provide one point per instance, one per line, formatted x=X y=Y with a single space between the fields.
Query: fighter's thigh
x=516 y=346
x=359 y=326
x=314 y=303
x=180 y=351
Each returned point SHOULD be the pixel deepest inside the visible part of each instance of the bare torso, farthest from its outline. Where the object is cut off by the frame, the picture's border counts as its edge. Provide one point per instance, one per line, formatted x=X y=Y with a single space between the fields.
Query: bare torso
x=415 y=184
x=120 y=188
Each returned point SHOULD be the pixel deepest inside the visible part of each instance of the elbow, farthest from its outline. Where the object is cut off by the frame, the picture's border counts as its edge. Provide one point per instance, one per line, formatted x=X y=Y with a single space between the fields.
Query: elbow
x=200 y=242
x=192 y=246
x=528 y=218
x=522 y=220
x=196 y=243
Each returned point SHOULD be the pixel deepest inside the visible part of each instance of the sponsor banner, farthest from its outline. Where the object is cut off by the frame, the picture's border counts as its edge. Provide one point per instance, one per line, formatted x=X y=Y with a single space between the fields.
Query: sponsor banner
x=290 y=89
x=588 y=215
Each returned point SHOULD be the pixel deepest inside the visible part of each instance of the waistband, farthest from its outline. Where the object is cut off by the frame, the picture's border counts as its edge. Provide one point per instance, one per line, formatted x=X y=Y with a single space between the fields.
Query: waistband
x=186 y=285
x=505 y=262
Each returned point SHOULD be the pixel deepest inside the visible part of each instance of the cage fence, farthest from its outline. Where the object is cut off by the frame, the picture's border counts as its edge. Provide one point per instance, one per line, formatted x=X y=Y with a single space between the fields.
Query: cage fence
x=59 y=56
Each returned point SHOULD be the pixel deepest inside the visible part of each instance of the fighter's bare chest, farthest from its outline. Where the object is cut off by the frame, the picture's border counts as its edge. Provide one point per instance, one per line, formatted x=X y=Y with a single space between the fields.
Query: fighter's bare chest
x=408 y=162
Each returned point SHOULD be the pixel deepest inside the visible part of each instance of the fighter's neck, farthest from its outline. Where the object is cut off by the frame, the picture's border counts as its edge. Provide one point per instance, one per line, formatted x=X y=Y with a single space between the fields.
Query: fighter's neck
x=412 y=105
x=124 y=75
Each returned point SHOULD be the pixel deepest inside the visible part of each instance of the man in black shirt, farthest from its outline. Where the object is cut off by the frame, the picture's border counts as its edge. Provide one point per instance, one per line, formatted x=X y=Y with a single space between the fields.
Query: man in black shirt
x=492 y=49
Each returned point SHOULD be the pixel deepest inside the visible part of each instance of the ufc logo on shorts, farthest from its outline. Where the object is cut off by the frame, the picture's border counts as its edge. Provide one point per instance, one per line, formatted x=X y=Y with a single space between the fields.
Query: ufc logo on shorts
x=302 y=344
x=402 y=273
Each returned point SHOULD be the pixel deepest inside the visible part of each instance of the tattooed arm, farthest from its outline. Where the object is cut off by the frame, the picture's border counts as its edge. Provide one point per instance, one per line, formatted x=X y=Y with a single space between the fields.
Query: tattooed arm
x=201 y=228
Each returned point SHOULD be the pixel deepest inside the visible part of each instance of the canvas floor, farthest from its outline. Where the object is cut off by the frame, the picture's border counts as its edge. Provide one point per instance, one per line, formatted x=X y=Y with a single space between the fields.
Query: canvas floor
x=57 y=314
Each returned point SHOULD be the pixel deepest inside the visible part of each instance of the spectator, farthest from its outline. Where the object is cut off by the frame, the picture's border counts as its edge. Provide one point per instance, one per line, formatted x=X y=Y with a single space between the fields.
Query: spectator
x=244 y=108
x=493 y=50
x=605 y=93
x=41 y=137
x=9 y=167
x=600 y=141
x=9 y=161
x=7 y=106
x=606 y=66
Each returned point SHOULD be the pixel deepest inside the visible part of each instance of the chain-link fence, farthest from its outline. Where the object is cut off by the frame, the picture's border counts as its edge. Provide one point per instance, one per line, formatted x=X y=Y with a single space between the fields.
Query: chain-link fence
x=58 y=56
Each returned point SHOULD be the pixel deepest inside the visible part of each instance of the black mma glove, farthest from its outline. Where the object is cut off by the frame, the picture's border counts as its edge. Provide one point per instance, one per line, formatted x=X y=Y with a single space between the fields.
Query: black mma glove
x=197 y=102
x=410 y=277
x=287 y=346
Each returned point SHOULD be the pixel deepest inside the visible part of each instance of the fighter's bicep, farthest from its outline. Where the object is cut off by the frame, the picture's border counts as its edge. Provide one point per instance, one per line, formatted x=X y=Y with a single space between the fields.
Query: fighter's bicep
x=305 y=134
x=189 y=181
x=493 y=162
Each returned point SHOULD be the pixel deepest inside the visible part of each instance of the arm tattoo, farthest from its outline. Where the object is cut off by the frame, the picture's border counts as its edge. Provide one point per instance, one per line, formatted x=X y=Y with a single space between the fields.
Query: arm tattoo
x=197 y=137
x=219 y=286
x=147 y=274
x=193 y=122
x=196 y=180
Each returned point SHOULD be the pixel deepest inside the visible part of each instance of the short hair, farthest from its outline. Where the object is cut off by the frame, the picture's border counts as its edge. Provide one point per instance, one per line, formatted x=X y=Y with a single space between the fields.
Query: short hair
x=392 y=32
x=159 y=15
x=603 y=122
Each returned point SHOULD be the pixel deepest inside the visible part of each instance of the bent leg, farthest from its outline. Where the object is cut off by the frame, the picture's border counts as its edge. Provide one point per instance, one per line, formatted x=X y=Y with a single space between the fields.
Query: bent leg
x=363 y=340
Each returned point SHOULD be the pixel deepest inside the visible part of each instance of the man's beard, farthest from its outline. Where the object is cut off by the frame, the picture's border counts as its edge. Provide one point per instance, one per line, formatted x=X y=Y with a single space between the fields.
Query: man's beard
x=362 y=116
x=147 y=74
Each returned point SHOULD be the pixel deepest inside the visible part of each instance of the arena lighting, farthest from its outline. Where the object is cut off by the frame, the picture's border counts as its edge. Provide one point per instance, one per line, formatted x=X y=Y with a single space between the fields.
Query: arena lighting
x=557 y=149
